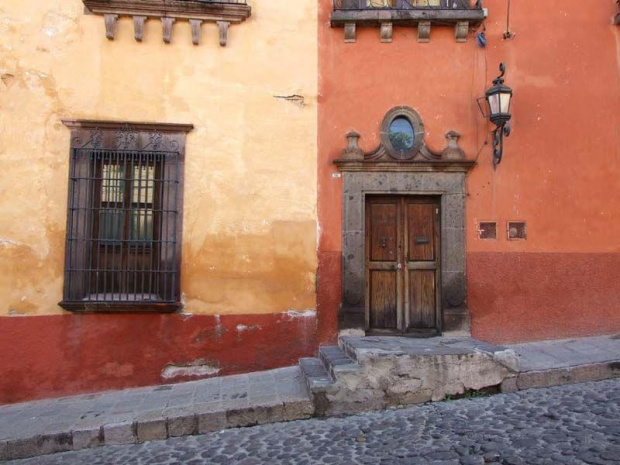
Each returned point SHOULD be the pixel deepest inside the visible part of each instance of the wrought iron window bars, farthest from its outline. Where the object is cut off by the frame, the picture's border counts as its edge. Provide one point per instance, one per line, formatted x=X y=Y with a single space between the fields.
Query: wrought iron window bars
x=124 y=220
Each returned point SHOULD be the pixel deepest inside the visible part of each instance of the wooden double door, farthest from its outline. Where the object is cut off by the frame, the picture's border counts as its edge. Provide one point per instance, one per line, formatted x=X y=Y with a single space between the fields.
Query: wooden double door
x=403 y=257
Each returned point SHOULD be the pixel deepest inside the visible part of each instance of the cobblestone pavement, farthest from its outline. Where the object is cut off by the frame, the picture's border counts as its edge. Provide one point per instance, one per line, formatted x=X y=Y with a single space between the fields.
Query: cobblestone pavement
x=562 y=425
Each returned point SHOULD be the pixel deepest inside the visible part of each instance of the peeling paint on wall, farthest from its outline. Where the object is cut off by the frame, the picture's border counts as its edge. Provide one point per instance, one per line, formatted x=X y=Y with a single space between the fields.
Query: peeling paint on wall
x=8 y=79
x=242 y=328
x=301 y=314
x=199 y=367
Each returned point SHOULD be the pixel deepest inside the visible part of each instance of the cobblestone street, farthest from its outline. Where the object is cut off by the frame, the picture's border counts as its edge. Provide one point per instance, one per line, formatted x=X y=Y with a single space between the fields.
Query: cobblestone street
x=562 y=425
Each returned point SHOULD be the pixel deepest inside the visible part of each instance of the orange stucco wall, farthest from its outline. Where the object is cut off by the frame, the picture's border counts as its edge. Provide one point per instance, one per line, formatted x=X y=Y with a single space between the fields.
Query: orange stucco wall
x=560 y=170
x=248 y=267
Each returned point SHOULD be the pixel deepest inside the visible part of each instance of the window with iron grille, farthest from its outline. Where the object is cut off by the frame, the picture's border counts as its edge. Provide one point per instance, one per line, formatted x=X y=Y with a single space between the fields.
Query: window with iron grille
x=516 y=230
x=123 y=246
x=487 y=230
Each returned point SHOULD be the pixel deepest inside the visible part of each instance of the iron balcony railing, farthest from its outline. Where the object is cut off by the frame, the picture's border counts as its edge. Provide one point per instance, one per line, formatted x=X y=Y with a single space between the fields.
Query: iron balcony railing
x=407 y=4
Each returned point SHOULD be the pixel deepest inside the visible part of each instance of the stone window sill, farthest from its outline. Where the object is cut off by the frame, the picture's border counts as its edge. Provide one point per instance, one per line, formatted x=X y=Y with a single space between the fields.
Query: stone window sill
x=222 y=12
x=460 y=19
x=120 y=307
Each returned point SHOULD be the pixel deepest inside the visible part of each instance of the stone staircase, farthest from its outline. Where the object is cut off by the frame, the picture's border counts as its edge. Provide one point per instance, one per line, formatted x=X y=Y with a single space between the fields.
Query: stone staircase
x=371 y=373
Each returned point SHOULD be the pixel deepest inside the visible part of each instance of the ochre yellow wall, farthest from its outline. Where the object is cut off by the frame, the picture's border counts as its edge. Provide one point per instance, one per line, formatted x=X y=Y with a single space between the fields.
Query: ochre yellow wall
x=249 y=242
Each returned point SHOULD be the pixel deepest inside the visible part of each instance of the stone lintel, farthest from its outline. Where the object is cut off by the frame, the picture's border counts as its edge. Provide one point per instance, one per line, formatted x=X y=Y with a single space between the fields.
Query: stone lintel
x=462 y=166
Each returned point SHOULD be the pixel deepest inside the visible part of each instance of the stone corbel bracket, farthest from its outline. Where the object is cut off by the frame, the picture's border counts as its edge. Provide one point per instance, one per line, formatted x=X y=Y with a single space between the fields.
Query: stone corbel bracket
x=169 y=11
x=461 y=19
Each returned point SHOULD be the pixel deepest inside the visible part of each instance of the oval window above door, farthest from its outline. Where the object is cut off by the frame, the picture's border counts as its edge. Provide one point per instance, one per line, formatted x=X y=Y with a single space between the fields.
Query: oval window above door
x=402 y=135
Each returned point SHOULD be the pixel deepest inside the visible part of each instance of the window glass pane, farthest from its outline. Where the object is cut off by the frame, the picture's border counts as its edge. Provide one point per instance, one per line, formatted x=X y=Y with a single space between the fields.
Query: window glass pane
x=111 y=224
x=143 y=184
x=142 y=225
x=113 y=183
x=402 y=135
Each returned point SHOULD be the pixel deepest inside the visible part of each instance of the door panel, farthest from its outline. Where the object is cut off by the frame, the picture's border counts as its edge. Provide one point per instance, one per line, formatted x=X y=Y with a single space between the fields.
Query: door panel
x=383 y=278
x=421 y=234
x=383 y=303
x=383 y=232
x=402 y=263
x=422 y=299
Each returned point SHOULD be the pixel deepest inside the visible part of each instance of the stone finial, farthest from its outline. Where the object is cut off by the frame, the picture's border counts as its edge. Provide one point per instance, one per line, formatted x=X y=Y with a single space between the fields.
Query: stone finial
x=452 y=150
x=353 y=151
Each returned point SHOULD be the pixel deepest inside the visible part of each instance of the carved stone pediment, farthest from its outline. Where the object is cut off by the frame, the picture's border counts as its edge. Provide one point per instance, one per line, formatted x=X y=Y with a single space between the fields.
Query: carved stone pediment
x=223 y=13
x=402 y=148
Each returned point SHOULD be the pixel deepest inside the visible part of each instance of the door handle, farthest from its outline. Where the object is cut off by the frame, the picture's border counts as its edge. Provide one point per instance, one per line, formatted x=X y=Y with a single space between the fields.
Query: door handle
x=383 y=242
x=399 y=266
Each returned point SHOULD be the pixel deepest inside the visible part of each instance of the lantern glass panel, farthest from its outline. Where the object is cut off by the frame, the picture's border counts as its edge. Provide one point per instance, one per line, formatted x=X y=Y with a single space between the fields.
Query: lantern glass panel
x=505 y=102
x=494 y=103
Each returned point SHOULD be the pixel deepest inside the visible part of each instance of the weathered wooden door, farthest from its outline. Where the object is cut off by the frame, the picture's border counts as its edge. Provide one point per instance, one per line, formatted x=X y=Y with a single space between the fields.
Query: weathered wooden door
x=402 y=264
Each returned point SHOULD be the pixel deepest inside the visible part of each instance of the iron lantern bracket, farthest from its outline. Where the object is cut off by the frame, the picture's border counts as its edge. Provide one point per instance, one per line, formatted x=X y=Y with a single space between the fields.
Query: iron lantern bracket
x=500 y=120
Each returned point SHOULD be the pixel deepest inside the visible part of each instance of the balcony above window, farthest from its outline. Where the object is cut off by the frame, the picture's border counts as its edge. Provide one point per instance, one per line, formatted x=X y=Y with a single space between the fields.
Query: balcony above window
x=460 y=14
x=222 y=12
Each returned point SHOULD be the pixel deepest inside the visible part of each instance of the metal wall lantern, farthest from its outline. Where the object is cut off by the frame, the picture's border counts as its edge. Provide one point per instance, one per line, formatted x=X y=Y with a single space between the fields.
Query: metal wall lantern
x=499 y=98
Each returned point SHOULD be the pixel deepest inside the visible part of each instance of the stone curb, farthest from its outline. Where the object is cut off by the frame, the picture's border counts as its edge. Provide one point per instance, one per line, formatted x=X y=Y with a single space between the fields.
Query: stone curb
x=150 y=427
x=568 y=375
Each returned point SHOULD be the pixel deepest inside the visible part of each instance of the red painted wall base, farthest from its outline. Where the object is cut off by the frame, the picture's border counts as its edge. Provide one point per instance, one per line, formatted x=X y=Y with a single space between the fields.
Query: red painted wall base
x=517 y=297
x=51 y=356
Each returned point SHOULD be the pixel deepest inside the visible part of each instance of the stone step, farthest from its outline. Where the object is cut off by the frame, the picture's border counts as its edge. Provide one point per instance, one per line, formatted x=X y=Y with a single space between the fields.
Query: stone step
x=316 y=375
x=347 y=348
x=335 y=361
x=375 y=372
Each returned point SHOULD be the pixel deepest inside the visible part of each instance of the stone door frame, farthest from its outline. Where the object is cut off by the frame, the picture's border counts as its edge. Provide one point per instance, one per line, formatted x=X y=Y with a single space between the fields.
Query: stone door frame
x=445 y=179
